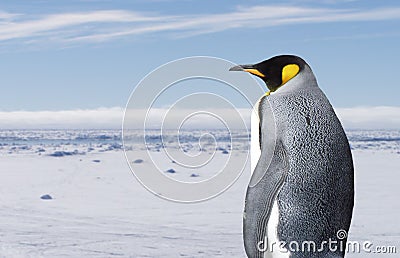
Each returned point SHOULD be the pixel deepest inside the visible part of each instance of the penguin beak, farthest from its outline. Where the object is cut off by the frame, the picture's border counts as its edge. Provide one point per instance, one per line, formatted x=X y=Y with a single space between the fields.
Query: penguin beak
x=247 y=68
x=241 y=67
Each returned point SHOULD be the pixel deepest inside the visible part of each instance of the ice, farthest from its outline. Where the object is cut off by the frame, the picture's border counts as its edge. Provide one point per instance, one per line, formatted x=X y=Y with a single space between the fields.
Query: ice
x=46 y=197
x=102 y=211
x=171 y=170
x=99 y=209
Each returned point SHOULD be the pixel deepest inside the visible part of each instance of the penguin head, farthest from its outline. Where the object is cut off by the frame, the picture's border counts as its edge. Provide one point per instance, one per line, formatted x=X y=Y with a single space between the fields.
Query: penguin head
x=276 y=71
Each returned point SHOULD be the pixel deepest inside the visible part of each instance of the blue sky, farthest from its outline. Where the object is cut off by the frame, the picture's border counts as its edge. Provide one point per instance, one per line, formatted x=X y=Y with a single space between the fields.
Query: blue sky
x=66 y=55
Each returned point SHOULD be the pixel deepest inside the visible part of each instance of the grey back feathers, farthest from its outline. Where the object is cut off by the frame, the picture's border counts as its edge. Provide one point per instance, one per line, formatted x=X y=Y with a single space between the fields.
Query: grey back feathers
x=305 y=165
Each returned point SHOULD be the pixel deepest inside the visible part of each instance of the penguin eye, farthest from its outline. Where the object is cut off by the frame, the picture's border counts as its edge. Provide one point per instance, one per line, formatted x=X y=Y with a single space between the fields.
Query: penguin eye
x=289 y=71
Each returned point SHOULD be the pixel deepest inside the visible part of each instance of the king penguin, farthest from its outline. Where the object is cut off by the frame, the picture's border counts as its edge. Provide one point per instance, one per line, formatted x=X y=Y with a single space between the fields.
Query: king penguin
x=300 y=198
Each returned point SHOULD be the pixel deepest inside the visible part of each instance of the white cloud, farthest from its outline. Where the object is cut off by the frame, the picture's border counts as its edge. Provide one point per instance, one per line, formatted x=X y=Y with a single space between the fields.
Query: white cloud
x=24 y=28
x=78 y=119
x=351 y=118
x=111 y=24
x=7 y=16
x=217 y=118
x=370 y=117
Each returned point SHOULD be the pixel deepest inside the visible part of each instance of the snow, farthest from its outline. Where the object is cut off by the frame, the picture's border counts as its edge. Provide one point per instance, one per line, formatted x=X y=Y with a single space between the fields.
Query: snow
x=99 y=209
x=375 y=216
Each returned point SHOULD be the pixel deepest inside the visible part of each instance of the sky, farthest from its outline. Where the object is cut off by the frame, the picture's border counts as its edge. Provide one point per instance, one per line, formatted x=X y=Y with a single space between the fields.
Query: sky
x=61 y=56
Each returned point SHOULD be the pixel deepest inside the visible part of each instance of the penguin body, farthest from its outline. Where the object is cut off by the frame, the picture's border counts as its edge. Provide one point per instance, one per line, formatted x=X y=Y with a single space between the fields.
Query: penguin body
x=302 y=188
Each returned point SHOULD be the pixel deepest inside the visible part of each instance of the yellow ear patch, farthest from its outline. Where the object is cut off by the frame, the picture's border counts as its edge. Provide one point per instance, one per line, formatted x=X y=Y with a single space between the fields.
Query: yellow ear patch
x=255 y=72
x=289 y=71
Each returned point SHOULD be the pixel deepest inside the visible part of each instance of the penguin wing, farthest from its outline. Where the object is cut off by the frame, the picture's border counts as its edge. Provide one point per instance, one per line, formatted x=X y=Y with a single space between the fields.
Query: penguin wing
x=260 y=198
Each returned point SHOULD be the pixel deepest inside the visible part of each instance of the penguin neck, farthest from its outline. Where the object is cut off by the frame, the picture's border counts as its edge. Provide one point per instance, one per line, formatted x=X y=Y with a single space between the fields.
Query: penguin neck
x=304 y=80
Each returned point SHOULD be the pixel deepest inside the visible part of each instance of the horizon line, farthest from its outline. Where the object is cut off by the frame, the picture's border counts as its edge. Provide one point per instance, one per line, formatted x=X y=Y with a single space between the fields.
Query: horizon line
x=361 y=117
